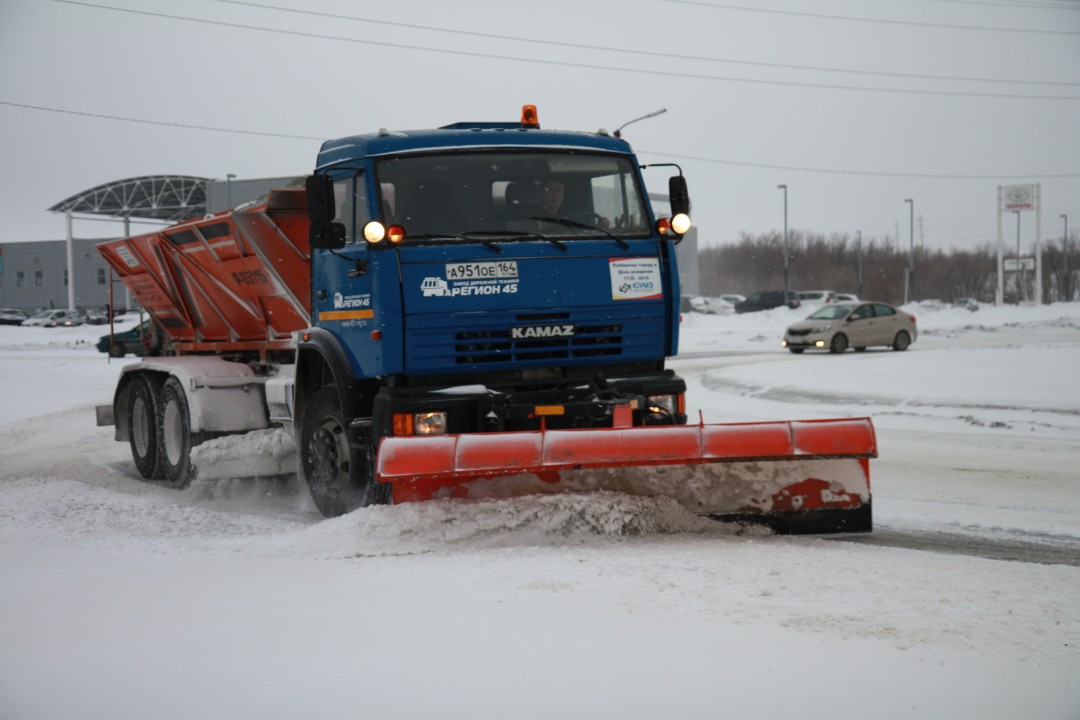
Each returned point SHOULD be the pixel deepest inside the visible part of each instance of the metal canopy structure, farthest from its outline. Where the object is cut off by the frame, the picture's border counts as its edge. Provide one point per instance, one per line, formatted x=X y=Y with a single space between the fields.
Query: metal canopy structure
x=151 y=197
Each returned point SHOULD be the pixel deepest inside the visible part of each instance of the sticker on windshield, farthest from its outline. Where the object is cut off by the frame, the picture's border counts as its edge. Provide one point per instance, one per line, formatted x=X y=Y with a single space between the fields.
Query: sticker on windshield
x=470 y=279
x=635 y=279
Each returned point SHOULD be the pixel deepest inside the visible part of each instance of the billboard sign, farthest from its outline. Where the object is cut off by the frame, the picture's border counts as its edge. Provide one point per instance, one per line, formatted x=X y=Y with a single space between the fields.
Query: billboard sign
x=1019 y=197
x=1015 y=264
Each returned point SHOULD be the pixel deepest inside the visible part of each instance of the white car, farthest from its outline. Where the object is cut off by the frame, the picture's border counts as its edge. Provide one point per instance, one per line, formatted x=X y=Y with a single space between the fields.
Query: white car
x=53 y=318
x=816 y=297
x=722 y=305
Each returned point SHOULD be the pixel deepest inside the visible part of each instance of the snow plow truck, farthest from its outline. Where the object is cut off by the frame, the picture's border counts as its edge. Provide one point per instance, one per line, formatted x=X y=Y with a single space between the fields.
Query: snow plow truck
x=479 y=310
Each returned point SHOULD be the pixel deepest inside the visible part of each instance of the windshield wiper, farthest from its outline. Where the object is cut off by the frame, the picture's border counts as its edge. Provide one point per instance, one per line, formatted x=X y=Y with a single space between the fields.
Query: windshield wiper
x=518 y=234
x=577 y=224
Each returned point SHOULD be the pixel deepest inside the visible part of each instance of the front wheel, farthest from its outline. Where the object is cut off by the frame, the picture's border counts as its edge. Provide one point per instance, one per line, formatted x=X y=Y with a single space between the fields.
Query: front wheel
x=902 y=341
x=339 y=473
x=839 y=344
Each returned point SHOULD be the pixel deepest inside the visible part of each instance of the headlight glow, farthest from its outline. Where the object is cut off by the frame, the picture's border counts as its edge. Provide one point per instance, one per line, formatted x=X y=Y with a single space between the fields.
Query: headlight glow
x=429 y=423
x=374 y=232
x=680 y=223
x=667 y=403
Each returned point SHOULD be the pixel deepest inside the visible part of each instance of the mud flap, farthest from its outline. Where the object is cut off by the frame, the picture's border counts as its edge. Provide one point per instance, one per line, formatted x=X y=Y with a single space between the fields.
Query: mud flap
x=809 y=476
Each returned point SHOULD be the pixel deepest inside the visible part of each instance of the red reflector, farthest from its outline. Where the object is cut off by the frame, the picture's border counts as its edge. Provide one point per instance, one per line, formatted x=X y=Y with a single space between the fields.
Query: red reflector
x=663 y=226
x=376 y=334
x=306 y=337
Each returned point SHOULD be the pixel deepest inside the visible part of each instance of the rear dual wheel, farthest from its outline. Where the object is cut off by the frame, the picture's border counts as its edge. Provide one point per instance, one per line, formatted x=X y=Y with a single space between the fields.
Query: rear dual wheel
x=174 y=431
x=159 y=430
x=142 y=415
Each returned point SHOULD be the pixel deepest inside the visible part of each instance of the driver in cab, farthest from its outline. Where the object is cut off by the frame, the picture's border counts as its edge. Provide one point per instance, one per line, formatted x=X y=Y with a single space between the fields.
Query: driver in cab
x=552 y=192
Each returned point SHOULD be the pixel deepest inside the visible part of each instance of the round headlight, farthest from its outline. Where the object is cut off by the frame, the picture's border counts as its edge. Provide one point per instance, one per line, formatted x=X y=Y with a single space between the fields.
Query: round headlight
x=680 y=223
x=374 y=232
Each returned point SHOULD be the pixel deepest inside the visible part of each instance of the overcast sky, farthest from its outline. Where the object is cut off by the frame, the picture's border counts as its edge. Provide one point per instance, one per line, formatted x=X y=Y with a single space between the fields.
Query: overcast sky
x=855 y=105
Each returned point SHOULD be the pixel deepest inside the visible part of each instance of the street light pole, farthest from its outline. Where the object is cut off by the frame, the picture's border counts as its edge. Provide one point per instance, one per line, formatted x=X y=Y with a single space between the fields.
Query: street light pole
x=858 y=251
x=618 y=130
x=1017 y=213
x=909 y=290
x=784 y=188
x=1065 y=255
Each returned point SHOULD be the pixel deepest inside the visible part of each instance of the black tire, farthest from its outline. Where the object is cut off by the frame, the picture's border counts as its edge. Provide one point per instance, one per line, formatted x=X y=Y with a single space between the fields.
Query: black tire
x=142 y=422
x=902 y=341
x=838 y=344
x=174 y=435
x=797 y=351
x=860 y=349
x=339 y=470
x=117 y=350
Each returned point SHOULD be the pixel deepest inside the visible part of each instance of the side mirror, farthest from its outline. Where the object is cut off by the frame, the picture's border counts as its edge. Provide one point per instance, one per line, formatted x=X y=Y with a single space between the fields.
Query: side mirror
x=678 y=195
x=323 y=233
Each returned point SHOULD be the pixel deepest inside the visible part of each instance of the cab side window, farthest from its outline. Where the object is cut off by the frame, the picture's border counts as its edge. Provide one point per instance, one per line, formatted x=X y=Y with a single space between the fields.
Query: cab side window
x=350 y=202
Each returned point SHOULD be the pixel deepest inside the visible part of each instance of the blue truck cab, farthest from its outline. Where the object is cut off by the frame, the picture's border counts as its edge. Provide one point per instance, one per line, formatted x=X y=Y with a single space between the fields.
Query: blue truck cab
x=480 y=277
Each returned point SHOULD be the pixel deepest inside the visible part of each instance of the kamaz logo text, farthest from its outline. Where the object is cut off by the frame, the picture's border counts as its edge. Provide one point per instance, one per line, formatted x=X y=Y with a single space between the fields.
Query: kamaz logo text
x=541 y=331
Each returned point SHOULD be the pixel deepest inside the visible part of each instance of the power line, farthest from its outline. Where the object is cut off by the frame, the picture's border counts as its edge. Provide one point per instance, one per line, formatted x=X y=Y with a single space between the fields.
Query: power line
x=912 y=23
x=559 y=63
x=864 y=173
x=1064 y=5
x=640 y=52
x=159 y=122
x=831 y=171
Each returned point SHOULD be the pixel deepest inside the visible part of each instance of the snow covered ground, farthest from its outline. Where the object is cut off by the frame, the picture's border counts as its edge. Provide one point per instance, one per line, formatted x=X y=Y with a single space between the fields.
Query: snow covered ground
x=231 y=599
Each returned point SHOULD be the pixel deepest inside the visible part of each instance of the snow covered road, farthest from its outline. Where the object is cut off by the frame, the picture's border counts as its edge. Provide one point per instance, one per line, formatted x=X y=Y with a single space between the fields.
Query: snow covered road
x=235 y=599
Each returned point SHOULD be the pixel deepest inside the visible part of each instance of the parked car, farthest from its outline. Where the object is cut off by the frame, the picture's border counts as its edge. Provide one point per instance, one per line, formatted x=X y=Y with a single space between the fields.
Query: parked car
x=12 y=316
x=845 y=297
x=722 y=305
x=816 y=297
x=838 y=326
x=932 y=304
x=97 y=317
x=53 y=318
x=967 y=303
x=767 y=300
x=122 y=343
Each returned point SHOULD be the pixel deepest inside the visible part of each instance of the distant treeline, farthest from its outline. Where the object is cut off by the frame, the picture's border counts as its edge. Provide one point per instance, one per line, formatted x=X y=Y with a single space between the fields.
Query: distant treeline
x=817 y=262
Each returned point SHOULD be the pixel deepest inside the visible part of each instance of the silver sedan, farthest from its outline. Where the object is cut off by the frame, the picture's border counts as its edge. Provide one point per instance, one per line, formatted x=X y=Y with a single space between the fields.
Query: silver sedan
x=838 y=326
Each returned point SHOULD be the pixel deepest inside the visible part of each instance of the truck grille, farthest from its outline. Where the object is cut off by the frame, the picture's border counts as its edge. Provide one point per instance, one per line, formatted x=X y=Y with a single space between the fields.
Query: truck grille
x=501 y=341
x=488 y=346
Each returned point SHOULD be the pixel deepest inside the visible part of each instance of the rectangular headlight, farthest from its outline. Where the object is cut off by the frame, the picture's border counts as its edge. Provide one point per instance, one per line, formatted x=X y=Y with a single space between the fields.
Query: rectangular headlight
x=667 y=403
x=429 y=423
x=422 y=423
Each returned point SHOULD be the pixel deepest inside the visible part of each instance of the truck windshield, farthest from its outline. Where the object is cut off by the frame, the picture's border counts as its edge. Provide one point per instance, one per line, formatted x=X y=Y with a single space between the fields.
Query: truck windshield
x=452 y=196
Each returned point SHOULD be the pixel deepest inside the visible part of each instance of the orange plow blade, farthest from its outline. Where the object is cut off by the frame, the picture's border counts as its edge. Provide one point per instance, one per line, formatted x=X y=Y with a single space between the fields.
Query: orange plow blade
x=805 y=476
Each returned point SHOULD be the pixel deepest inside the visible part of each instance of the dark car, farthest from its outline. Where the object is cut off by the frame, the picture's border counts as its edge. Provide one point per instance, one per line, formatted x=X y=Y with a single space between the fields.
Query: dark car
x=767 y=300
x=12 y=316
x=122 y=343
